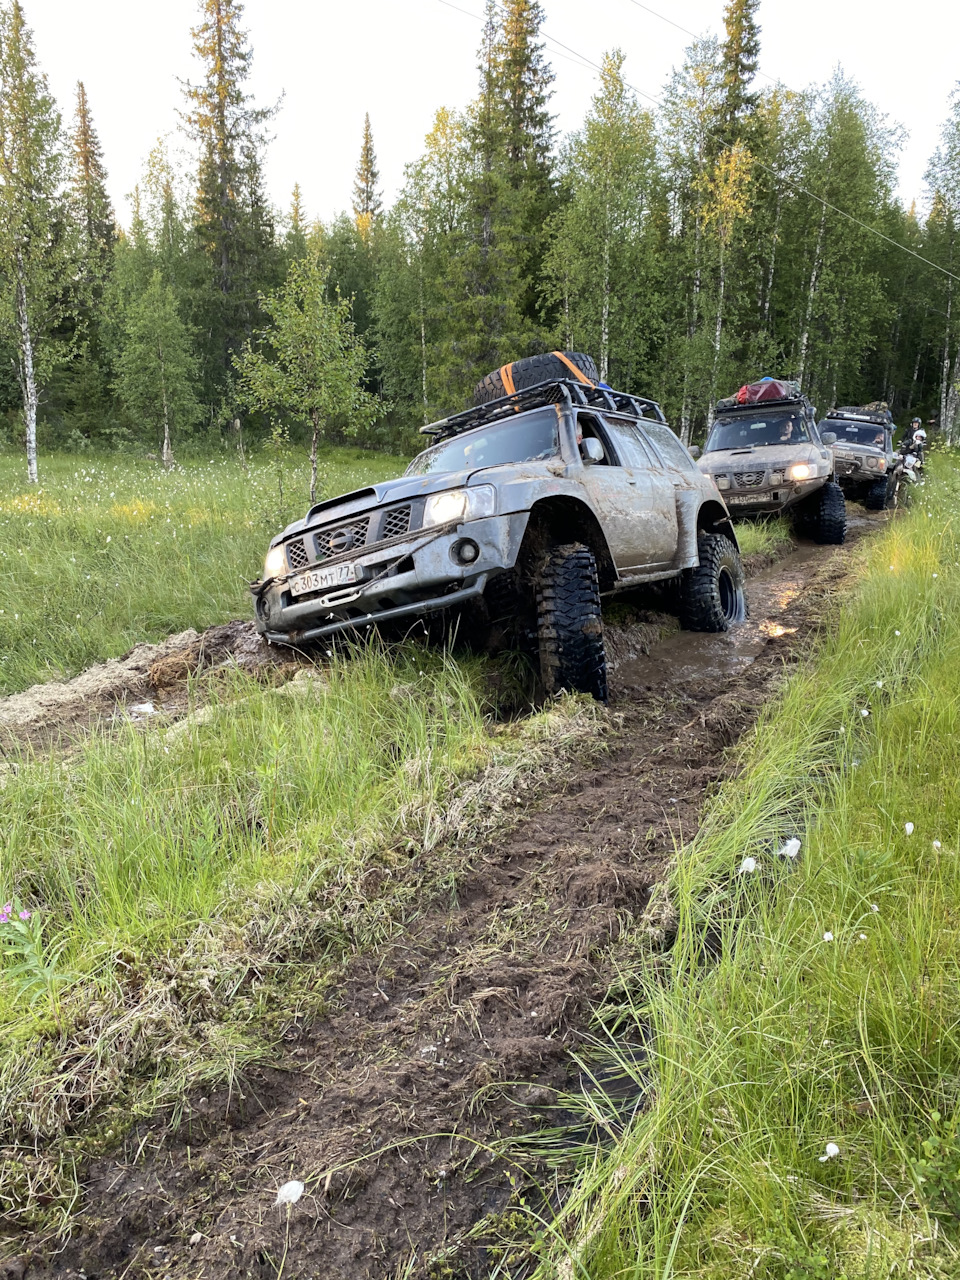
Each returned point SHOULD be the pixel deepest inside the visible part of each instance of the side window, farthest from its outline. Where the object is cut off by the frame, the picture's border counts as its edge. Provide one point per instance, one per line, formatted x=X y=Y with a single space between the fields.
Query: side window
x=588 y=427
x=635 y=450
x=669 y=447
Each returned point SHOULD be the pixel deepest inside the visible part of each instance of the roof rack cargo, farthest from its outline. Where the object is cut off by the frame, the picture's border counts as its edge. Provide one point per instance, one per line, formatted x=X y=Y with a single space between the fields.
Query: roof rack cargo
x=554 y=392
x=860 y=413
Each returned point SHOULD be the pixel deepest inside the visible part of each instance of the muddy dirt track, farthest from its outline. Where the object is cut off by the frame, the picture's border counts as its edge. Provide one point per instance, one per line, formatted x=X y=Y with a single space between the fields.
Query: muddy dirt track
x=459 y=1033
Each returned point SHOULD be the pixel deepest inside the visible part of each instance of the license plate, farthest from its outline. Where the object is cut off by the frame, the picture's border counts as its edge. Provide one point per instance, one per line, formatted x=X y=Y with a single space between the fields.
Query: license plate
x=337 y=575
x=752 y=498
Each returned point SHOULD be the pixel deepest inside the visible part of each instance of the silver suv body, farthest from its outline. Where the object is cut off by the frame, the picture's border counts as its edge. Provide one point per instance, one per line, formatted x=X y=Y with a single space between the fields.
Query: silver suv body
x=864 y=457
x=557 y=464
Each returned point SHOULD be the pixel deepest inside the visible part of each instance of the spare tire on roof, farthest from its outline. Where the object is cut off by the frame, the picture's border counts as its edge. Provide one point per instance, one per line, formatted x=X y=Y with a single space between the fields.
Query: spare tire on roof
x=520 y=374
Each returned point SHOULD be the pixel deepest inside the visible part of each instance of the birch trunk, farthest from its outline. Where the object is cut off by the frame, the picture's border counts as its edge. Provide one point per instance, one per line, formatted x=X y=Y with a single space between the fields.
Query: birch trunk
x=945 y=363
x=28 y=377
x=951 y=423
x=717 y=338
x=315 y=418
x=166 y=453
x=605 y=309
x=773 y=259
x=808 y=318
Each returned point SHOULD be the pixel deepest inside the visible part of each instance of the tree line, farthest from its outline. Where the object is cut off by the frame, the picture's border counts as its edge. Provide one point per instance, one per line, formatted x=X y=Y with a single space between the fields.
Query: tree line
x=719 y=235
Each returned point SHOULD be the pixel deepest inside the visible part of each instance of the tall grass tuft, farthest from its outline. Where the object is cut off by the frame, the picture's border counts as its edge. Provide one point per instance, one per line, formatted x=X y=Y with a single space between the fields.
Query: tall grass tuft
x=803 y=1082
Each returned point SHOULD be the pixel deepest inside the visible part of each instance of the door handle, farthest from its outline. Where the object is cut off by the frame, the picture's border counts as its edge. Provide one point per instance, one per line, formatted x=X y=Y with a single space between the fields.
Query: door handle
x=631 y=482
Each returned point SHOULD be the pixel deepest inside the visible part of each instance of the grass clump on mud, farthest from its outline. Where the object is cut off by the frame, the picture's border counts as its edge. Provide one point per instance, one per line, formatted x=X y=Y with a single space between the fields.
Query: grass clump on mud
x=803 y=1074
x=108 y=553
x=197 y=884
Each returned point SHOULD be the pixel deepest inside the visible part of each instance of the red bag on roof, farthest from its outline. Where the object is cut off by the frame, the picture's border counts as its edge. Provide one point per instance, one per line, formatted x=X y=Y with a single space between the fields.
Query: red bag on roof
x=768 y=389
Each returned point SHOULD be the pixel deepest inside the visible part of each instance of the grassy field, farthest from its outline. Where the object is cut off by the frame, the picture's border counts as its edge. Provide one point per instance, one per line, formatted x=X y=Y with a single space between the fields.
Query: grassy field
x=804 y=1068
x=106 y=553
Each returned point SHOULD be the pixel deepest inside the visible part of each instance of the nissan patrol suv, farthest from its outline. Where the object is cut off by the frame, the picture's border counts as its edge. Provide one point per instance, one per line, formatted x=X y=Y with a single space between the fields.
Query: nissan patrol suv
x=517 y=518
x=768 y=457
x=864 y=457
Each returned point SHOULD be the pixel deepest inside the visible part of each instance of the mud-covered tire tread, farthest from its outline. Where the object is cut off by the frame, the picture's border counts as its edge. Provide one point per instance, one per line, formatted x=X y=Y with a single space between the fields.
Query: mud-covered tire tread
x=569 y=624
x=876 y=497
x=531 y=370
x=829 y=516
x=701 y=608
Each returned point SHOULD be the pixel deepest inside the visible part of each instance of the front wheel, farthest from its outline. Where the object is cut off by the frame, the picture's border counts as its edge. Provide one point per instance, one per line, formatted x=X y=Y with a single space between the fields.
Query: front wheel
x=828 y=515
x=569 y=625
x=711 y=595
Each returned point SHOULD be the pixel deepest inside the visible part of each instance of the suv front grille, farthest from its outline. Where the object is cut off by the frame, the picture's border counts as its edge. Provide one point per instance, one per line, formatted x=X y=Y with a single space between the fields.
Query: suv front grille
x=342 y=537
x=395 y=522
x=297 y=557
x=748 y=479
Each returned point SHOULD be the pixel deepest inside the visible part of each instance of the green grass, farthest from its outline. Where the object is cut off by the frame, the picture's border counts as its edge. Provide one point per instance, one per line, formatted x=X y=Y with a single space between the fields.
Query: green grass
x=759 y=536
x=106 y=553
x=770 y=1039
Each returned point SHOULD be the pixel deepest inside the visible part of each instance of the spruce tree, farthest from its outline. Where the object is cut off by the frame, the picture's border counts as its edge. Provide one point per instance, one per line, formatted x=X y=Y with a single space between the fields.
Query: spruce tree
x=295 y=240
x=233 y=220
x=367 y=204
x=92 y=207
x=37 y=255
x=741 y=54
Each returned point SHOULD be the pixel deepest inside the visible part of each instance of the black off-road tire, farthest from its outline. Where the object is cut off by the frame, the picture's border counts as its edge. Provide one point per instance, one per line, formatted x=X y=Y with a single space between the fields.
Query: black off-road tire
x=711 y=595
x=877 y=496
x=569 y=625
x=528 y=372
x=828 y=515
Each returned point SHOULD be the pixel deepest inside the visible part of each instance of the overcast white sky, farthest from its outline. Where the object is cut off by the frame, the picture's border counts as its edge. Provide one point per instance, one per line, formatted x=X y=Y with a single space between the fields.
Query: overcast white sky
x=401 y=59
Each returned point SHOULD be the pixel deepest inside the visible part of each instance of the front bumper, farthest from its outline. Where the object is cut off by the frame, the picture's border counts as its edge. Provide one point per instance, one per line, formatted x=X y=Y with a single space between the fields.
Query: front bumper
x=763 y=500
x=418 y=575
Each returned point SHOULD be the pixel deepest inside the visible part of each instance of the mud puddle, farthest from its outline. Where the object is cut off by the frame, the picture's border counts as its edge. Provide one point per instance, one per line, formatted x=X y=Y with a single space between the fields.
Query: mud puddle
x=691 y=655
x=399 y=1107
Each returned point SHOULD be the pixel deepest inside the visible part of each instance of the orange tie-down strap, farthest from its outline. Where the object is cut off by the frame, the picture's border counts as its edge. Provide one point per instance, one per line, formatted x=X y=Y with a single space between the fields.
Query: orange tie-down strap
x=572 y=367
x=506 y=377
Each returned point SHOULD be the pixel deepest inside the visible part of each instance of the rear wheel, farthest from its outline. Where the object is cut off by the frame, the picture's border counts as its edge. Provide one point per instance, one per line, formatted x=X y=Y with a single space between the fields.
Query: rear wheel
x=569 y=626
x=711 y=595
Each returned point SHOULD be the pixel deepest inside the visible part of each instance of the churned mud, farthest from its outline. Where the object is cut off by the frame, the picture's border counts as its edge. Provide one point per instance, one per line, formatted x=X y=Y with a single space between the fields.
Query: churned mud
x=150 y=679
x=399 y=1109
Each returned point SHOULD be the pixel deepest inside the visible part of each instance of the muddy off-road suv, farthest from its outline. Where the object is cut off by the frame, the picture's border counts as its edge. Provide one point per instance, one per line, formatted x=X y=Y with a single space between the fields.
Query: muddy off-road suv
x=523 y=512
x=768 y=457
x=864 y=457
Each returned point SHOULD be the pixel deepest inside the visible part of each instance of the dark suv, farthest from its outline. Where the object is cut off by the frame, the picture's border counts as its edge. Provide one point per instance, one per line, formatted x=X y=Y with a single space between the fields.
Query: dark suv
x=863 y=454
x=518 y=517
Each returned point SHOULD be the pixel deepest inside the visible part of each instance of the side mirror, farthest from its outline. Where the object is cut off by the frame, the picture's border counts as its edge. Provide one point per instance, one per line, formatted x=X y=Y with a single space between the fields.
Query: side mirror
x=591 y=450
x=829 y=437
x=694 y=451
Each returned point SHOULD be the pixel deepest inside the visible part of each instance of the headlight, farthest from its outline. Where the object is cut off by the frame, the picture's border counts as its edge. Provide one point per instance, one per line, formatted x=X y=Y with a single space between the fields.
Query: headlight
x=275 y=565
x=801 y=471
x=877 y=464
x=722 y=482
x=460 y=504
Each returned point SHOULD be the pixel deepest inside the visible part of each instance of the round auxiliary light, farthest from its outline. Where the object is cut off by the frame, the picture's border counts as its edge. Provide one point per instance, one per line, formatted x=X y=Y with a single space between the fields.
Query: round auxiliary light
x=465 y=551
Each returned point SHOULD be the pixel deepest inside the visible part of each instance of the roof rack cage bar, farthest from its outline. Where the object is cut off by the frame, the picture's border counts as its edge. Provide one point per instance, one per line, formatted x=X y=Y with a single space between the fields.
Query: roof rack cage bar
x=554 y=392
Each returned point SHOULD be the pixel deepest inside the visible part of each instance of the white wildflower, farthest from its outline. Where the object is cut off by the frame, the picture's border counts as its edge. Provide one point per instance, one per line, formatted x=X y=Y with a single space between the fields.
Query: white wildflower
x=908 y=828
x=863 y=937
x=790 y=849
x=937 y=844
x=864 y=713
x=874 y=907
x=828 y=936
x=832 y=1150
x=748 y=864
x=879 y=684
x=896 y=633
x=290 y=1192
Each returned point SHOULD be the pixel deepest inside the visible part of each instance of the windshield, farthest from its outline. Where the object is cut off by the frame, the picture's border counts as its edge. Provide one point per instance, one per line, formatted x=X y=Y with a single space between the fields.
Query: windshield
x=531 y=438
x=856 y=432
x=746 y=430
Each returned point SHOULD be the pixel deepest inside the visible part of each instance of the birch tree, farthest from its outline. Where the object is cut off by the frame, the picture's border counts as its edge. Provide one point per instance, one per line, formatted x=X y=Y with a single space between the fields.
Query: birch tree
x=309 y=363
x=36 y=251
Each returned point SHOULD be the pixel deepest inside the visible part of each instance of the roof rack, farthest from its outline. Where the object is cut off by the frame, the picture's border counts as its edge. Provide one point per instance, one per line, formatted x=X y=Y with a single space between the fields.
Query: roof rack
x=878 y=417
x=554 y=392
x=724 y=407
